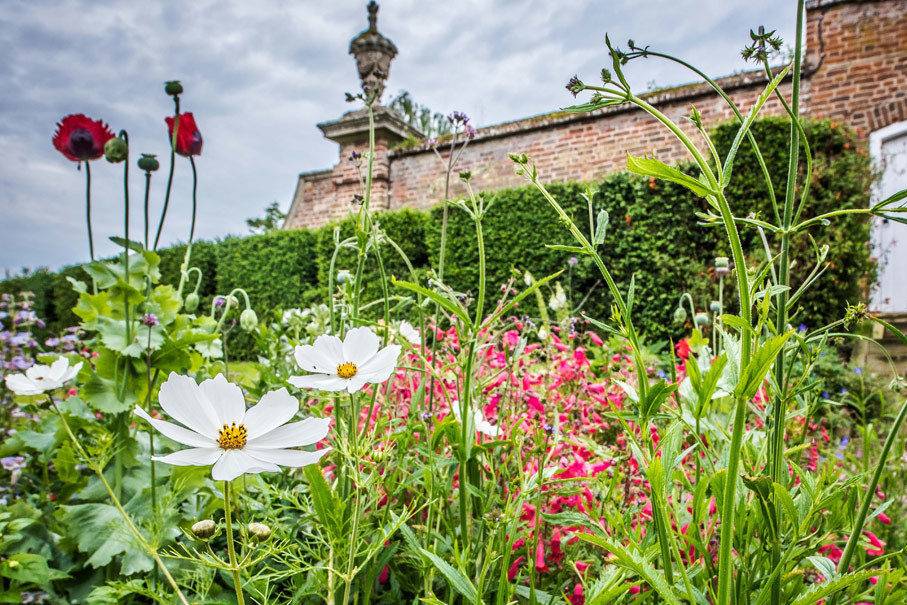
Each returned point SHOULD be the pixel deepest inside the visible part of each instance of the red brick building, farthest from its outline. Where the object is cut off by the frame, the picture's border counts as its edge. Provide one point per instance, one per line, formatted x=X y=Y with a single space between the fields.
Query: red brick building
x=855 y=73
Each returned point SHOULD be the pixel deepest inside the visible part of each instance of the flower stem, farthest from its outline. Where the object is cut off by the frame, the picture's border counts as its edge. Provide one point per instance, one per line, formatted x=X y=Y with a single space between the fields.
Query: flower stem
x=194 y=204
x=150 y=550
x=147 y=192
x=88 y=209
x=231 y=549
x=176 y=126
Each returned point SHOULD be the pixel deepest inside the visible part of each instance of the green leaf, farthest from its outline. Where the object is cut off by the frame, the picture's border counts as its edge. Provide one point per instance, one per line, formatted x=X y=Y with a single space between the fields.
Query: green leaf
x=326 y=505
x=636 y=563
x=540 y=595
x=451 y=306
x=457 y=580
x=658 y=169
x=504 y=309
x=29 y=569
x=99 y=530
x=759 y=365
x=819 y=591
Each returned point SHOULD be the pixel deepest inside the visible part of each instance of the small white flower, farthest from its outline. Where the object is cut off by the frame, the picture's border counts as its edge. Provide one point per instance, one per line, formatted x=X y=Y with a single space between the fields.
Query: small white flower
x=40 y=378
x=410 y=333
x=478 y=419
x=559 y=299
x=222 y=432
x=345 y=365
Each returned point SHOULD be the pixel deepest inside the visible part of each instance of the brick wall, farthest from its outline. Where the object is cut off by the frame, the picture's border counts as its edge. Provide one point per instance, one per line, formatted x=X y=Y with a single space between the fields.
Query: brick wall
x=855 y=73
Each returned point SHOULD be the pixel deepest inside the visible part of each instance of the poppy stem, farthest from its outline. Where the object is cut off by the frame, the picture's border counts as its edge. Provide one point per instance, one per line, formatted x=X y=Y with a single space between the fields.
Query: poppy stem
x=176 y=126
x=88 y=209
x=147 y=192
x=194 y=203
x=126 y=309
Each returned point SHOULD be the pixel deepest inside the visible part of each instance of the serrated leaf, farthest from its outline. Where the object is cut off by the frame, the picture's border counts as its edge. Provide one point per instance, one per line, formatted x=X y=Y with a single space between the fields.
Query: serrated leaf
x=99 y=531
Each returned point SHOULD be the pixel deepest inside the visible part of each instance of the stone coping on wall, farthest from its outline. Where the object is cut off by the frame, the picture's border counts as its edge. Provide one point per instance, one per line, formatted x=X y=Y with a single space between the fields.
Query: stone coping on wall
x=673 y=94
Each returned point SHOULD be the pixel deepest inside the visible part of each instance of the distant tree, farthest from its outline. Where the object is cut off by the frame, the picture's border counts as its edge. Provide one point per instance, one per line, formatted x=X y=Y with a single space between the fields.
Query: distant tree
x=430 y=123
x=271 y=221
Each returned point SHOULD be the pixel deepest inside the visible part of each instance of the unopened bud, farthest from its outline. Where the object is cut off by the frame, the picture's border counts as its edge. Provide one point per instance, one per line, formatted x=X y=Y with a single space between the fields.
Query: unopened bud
x=701 y=319
x=116 y=150
x=204 y=528
x=343 y=276
x=715 y=306
x=191 y=302
x=259 y=531
x=248 y=320
x=680 y=315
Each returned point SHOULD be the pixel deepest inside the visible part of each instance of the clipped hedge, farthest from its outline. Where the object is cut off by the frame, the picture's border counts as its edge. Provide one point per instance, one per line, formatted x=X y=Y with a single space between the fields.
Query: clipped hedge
x=653 y=232
x=407 y=228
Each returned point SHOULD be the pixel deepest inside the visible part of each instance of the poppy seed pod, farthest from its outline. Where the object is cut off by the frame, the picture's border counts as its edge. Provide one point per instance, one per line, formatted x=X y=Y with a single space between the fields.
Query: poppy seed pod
x=173 y=88
x=343 y=276
x=191 y=302
x=722 y=266
x=148 y=162
x=259 y=531
x=715 y=306
x=701 y=319
x=204 y=528
x=116 y=150
x=248 y=320
x=680 y=315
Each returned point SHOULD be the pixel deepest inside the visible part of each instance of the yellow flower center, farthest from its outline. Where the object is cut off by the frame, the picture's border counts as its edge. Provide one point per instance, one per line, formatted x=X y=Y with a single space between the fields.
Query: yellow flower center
x=346 y=370
x=232 y=437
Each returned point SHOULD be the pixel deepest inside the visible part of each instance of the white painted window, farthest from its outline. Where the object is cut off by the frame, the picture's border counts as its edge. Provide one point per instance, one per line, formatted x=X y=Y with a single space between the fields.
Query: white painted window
x=888 y=147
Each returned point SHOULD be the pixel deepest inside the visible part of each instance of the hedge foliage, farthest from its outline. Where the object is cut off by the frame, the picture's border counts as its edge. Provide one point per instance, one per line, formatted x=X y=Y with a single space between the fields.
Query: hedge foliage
x=653 y=233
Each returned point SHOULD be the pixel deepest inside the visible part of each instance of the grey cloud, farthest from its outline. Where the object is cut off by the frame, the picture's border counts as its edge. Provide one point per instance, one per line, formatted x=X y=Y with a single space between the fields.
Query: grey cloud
x=260 y=75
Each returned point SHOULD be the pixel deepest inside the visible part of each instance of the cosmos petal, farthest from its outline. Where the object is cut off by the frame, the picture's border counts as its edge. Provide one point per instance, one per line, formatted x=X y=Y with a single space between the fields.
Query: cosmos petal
x=294 y=458
x=196 y=456
x=305 y=432
x=226 y=398
x=360 y=345
x=274 y=409
x=176 y=432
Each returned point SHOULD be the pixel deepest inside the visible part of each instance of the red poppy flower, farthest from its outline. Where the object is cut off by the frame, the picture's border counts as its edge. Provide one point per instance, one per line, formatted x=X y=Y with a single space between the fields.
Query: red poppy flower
x=80 y=138
x=188 y=138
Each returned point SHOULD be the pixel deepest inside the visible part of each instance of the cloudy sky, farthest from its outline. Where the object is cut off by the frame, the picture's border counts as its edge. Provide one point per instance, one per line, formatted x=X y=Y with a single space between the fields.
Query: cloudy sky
x=260 y=75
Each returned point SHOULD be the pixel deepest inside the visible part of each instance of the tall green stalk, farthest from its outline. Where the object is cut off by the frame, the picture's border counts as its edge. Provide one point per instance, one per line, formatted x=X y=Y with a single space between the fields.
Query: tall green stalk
x=776 y=467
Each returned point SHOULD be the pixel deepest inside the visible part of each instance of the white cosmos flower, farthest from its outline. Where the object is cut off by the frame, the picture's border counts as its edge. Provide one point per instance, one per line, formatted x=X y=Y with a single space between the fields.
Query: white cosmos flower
x=221 y=431
x=478 y=419
x=410 y=333
x=40 y=378
x=345 y=365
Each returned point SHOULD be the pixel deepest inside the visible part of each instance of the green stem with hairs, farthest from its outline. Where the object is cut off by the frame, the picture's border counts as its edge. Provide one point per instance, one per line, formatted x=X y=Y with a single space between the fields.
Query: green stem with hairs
x=231 y=549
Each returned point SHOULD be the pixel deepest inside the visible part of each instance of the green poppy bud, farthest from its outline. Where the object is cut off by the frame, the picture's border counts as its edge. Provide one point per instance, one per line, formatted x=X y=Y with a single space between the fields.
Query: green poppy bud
x=715 y=306
x=259 y=531
x=173 y=88
x=191 y=302
x=148 y=162
x=343 y=276
x=701 y=319
x=680 y=315
x=204 y=529
x=116 y=150
x=248 y=320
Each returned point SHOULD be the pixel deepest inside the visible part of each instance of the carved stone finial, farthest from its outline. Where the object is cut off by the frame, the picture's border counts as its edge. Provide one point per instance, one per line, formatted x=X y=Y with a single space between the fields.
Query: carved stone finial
x=372 y=16
x=373 y=53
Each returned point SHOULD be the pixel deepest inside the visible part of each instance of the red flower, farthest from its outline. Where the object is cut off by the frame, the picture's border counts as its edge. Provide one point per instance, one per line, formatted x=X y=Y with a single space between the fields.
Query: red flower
x=188 y=138
x=80 y=138
x=682 y=348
